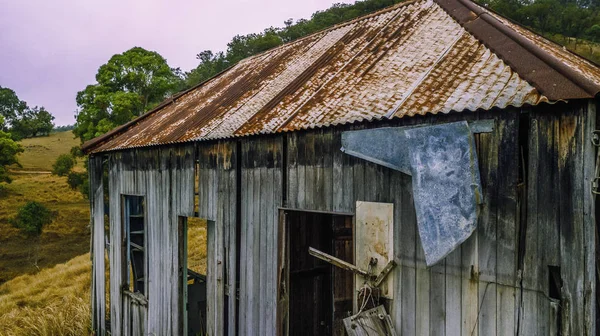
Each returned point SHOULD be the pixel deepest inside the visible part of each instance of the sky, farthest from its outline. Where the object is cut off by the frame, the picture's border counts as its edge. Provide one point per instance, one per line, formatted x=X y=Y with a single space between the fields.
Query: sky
x=50 y=50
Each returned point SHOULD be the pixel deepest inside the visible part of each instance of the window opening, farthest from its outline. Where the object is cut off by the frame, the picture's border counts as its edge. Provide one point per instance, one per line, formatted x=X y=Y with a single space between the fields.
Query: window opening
x=135 y=235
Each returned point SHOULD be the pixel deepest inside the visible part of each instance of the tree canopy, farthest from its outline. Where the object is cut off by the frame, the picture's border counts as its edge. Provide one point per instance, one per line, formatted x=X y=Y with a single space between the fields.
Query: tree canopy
x=20 y=120
x=578 y=19
x=9 y=150
x=128 y=85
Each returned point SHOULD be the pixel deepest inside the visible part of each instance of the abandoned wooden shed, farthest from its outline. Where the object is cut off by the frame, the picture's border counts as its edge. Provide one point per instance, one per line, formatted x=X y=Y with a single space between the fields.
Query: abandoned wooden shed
x=256 y=151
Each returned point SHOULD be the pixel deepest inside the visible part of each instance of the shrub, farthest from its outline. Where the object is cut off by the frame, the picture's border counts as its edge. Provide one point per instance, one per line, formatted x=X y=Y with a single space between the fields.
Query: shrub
x=31 y=218
x=76 y=151
x=75 y=180
x=63 y=165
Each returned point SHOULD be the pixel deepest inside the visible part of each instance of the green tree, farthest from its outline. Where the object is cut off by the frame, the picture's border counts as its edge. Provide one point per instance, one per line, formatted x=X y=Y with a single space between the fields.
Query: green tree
x=210 y=65
x=31 y=219
x=63 y=165
x=9 y=150
x=10 y=107
x=593 y=33
x=76 y=180
x=32 y=122
x=127 y=85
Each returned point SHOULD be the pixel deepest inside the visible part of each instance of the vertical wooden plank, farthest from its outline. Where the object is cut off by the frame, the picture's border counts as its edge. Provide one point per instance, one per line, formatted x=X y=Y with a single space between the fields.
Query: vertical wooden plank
x=310 y=166
x=395 y=190
x=570 y=168
x=292 y=167
x=244 y=264
x=437 y=299
x=220 y=203
x=507 y=231
x=233 y=238
x=255 y=252
x=407 y=248
x=301 y=171
x=470 y=288
x=272 y=234
x=589 y=220
x=97 y=248
x=486 y=230
x=264 y=206
x=423 y=291
x=211 y=292
x=337 y=172
x=115 y=244
x=453 y=293
x=527 y=305
x=359 y=180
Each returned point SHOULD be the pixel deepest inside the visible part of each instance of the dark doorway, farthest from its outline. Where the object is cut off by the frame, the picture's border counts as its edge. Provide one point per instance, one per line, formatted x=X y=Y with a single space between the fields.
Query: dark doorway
x=320 y=295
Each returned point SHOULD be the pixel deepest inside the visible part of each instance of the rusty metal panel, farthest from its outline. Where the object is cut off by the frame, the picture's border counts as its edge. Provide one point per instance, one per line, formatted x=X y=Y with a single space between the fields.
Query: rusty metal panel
x=374 y=232
x=410 y=59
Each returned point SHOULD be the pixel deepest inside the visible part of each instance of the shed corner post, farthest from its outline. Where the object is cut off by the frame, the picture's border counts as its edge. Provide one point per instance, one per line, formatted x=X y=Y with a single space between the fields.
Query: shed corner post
x=590 y=171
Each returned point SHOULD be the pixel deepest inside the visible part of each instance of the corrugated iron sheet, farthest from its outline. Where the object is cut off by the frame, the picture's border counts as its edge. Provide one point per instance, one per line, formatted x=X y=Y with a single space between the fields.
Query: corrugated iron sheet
x=410 y=59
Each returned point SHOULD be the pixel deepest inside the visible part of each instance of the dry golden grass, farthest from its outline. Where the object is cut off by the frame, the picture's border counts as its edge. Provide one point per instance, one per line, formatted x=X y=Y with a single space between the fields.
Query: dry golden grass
x=40 y=153
x=197 y=248
x=55 y=301
x=53 y=297
x=66 y=237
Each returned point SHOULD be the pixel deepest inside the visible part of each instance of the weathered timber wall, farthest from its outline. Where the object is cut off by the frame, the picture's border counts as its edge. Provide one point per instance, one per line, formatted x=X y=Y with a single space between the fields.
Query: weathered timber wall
x=479 y=289
x=217 y=196
x=165 y=177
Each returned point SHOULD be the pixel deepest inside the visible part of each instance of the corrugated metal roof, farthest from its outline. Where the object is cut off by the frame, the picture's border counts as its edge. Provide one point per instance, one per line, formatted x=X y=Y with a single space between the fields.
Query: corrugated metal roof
x=414 y=58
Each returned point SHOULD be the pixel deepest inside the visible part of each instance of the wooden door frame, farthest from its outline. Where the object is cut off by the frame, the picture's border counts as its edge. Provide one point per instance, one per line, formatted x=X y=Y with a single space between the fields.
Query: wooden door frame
x=283 y=262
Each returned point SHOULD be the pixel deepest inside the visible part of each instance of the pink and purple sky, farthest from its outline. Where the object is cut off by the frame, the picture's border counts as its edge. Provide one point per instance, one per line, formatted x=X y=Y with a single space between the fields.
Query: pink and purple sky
x=50 y=50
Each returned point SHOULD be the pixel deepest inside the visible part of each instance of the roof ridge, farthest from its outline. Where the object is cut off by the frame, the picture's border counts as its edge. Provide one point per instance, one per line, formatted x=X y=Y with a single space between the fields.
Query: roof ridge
x=490 y=31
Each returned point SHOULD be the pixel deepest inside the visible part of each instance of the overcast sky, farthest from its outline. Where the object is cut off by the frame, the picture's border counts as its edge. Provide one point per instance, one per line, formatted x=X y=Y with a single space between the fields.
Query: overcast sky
x=50 y=49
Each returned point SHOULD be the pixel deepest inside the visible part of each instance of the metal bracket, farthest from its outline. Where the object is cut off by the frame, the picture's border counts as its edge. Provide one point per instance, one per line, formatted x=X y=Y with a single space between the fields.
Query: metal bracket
x=596 y=138
x=596 y=186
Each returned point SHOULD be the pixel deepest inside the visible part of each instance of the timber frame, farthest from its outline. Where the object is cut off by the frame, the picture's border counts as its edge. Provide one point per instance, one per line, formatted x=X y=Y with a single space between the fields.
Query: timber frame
x=537 y=168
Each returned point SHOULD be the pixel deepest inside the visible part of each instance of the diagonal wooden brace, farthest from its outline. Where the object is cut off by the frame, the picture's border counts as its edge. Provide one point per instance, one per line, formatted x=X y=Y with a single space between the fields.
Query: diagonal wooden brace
x=348 y=266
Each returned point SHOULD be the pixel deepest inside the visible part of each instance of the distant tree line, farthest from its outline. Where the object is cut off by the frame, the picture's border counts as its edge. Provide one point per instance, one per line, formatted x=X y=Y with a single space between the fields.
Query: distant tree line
x=242 y=46
x=64 y=128
x=578 y=19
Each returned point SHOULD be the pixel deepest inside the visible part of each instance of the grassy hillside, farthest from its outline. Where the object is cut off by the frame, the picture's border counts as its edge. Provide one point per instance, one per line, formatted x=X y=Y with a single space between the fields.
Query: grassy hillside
x=67 y=236
x=40 y=153
x=53 y=297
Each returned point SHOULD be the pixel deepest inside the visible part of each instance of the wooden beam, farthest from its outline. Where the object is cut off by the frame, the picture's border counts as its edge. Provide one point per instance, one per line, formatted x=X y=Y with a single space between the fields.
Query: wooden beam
x=335 y=261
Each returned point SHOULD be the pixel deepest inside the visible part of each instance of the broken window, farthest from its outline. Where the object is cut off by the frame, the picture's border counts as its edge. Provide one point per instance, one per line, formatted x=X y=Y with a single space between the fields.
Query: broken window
x=135 y=241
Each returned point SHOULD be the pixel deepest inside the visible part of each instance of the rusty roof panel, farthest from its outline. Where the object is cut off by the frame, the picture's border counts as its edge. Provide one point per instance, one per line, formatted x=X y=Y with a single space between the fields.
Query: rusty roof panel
x=411 y=59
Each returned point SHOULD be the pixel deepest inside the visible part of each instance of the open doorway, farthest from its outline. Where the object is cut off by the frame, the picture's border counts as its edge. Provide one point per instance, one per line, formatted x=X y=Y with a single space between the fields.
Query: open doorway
x=320 y=294
x=193 y=258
